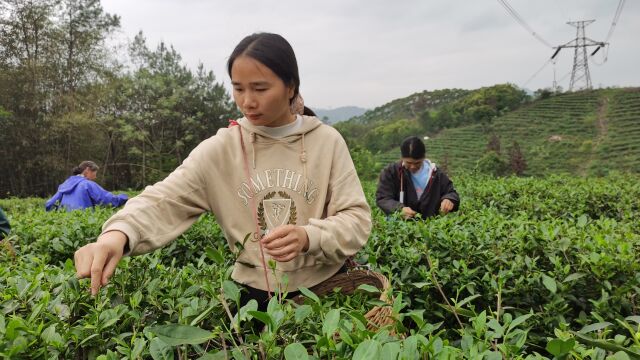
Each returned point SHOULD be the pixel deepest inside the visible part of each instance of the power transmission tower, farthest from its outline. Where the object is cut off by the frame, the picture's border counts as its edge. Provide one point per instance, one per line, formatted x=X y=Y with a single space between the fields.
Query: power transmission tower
x=580 y=72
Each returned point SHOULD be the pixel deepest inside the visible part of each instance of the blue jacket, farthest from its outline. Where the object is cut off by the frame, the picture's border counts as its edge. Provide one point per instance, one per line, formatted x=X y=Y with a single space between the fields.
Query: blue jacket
x=79 y=193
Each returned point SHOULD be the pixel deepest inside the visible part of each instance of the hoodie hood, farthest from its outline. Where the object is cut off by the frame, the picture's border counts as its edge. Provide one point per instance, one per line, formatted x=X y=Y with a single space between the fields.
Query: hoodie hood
x=70 y=184
x=308 y=124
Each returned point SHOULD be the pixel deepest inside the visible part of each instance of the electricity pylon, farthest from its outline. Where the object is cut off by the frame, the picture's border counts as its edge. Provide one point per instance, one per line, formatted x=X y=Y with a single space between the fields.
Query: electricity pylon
x=580 y=72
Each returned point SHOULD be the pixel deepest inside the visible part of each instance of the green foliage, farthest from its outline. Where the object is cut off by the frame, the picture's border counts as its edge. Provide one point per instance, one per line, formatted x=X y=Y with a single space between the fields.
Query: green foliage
x=390 y=136
x=381 y=130
x=410 y=106
x=77 y=101
x=365 y=163
x=51 y=52
x=491 y=164
x=534 y=268
x=479 y=107
x=425 y=119
x=378 y=130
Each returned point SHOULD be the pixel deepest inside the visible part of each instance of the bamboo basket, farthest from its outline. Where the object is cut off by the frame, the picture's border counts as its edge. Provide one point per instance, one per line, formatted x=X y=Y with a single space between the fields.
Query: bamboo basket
x=348 y=282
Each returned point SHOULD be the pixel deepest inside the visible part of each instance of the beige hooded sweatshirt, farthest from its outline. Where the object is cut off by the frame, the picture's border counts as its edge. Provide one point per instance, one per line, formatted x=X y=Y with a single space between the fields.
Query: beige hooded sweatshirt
x=307 y=179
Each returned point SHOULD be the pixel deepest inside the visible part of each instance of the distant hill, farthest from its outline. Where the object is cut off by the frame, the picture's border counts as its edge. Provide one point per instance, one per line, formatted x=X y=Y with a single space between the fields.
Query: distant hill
x=339 y=114
x=383 y=128
x=582 y=133
x=411 y=106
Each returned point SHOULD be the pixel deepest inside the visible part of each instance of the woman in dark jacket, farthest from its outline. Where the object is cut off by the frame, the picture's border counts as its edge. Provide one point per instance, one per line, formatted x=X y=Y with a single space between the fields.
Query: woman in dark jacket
x=414 y=185
x=4 y=225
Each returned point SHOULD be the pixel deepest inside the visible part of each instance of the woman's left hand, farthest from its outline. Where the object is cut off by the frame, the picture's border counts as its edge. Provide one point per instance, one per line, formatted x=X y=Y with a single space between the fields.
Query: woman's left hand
x=446 y=206
x=286 y=242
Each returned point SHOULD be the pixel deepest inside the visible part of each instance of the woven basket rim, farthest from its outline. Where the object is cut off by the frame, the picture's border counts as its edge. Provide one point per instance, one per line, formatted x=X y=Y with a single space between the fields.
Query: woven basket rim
x=348 y=282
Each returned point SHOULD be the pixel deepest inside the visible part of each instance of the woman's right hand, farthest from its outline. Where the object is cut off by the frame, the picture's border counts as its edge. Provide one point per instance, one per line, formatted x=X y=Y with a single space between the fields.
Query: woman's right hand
x=98 y=260
x=408 y=213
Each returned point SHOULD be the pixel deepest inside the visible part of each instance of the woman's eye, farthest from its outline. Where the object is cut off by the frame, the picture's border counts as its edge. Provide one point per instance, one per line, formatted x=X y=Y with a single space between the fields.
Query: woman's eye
x=237 y=89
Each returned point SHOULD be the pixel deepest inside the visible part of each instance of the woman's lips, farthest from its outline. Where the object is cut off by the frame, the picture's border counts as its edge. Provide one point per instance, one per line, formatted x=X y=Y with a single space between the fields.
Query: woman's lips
x=253 y=116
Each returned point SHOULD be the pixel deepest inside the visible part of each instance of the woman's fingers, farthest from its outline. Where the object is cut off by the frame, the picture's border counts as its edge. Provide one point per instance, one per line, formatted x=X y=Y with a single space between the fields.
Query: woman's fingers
x=278 y=243
x=277 y=233
x=285 y=242
x=290 y=248
x=110 y=268
x=82 y=258
x=286 y=258
x=97 y=267
x=446 y=206
x=99 y=260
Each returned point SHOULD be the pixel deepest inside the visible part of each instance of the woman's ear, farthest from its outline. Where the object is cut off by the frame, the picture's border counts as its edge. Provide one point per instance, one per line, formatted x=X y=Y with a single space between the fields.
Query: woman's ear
x=290 y=91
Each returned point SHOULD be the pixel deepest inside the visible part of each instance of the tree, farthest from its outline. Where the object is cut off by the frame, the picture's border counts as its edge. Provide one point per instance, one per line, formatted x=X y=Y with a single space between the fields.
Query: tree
x=491 y=163
x=41 y=137
x=517 y=163
x=364 y=162
x=389 y=136
x=542 y=94
x=163 y=111
x=425 y=120
x=494 y=144
x=444 y=118
x=64 y=98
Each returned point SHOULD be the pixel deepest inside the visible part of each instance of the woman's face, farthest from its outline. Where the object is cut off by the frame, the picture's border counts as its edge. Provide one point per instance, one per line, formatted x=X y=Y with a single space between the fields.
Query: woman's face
x=260 y=94
x=90 y=174
x=411 y=164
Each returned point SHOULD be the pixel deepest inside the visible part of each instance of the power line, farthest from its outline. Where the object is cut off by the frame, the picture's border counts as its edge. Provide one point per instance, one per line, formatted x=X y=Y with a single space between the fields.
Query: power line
x=615 y=19
x=523 y=23
x=605 y=57
x=565 y=76
x=537 y=72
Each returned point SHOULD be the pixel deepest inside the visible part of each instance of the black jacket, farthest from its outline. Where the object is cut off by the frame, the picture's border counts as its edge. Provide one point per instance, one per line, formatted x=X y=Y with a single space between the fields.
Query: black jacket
x=439 y=188
x=4 y=225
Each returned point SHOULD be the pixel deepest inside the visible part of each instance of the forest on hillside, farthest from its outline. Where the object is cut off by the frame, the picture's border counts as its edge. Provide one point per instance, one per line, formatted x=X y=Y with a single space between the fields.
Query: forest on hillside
x=68 y=94
x=381 y=130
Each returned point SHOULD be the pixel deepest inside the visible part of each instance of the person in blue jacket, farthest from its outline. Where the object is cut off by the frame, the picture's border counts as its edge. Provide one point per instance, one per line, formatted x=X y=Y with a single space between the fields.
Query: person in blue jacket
x=79 y=191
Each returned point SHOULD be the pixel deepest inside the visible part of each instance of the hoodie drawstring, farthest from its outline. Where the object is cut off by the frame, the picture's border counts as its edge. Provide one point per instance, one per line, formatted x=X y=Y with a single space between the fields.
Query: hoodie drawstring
x=253 y=203
x=252 y=140
x=303 y=159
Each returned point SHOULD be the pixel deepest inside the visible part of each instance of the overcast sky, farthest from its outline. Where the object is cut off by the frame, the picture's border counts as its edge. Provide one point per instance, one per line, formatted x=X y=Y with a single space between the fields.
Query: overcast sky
x=369 y=52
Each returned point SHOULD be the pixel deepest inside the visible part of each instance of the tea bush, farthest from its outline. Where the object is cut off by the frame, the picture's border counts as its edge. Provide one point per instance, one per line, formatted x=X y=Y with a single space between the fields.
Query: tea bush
x=529 y=268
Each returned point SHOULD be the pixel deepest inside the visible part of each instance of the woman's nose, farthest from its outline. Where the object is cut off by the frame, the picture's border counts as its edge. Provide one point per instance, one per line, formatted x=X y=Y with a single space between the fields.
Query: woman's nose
x=249 y=101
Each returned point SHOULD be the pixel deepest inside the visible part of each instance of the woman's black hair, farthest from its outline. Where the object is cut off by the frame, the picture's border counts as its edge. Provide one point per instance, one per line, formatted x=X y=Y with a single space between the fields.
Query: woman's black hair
x=274 y=52
x=83 y=165
x=412 y=147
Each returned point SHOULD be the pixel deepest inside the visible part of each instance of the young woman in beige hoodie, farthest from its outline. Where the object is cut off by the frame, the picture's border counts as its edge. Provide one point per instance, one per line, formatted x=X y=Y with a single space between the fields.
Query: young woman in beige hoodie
x=278 y=175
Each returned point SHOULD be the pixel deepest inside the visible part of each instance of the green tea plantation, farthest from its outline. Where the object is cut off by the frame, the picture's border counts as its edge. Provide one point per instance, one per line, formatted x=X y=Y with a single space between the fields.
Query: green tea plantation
x=529 y=268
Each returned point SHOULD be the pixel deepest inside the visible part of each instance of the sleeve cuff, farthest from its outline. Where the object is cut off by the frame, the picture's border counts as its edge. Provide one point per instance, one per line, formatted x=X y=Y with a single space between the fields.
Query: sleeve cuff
x=131 y=233
x=313 y=235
